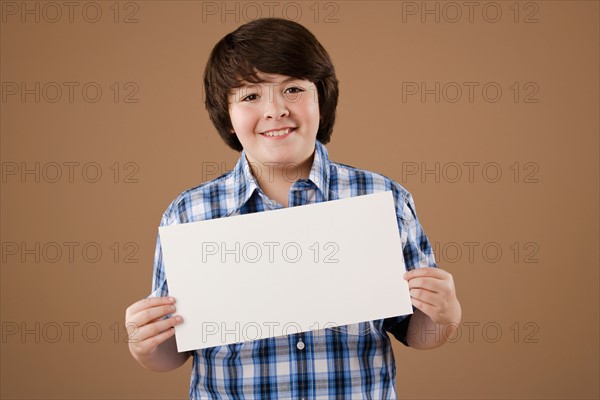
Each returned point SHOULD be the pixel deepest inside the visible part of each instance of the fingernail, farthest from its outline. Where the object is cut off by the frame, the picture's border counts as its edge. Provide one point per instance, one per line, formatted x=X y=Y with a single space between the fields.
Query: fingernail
x=172 y=308
x=178 y=319
x=171 y=300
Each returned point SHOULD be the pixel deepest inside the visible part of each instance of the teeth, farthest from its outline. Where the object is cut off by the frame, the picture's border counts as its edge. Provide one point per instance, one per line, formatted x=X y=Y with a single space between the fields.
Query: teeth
x=278 y=133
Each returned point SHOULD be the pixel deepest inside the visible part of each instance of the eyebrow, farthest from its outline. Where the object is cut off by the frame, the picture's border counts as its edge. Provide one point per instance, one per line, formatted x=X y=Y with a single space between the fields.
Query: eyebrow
x=249 y=84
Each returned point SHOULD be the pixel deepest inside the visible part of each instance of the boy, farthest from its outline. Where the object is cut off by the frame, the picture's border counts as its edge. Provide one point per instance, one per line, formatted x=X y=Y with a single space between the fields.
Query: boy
x=271 y=93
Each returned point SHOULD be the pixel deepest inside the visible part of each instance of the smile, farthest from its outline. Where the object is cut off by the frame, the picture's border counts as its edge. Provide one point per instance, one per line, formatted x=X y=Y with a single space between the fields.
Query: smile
x=278 y=133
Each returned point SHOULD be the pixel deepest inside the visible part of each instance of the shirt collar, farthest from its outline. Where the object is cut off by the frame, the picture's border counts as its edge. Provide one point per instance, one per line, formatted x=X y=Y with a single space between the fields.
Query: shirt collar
x=244 y=183
x=320 y=170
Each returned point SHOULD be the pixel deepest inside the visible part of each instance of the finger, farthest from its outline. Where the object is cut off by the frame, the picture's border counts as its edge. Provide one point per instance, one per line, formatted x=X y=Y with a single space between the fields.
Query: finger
x=150 y=302
x=429 y=283
x=151 y=343
x=425 y=296
x=158 y=319
x=426 y=272
x=154 y=329
x=427 y=309
x=144 y=317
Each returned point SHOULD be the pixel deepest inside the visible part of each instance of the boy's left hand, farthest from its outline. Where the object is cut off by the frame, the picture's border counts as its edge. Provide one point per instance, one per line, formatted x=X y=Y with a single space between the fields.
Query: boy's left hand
x=432 y=291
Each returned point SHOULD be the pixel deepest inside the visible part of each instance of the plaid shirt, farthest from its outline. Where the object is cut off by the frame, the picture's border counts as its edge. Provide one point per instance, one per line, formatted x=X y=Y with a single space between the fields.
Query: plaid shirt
x=350 y=362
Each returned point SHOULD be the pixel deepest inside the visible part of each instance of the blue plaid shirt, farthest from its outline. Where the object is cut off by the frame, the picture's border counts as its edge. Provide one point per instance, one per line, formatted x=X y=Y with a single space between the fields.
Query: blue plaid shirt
x=349 y=362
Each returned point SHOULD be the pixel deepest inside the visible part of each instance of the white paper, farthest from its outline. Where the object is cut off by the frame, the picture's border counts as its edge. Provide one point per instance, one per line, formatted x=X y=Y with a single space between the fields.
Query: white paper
x=285 y=271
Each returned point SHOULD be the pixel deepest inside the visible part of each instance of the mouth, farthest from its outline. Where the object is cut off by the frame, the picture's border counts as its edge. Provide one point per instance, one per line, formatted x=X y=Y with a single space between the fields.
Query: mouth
x=278 y=133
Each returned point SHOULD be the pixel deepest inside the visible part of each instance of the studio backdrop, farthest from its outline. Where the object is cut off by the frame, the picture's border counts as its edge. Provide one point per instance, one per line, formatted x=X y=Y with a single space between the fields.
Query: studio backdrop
x=485 y=111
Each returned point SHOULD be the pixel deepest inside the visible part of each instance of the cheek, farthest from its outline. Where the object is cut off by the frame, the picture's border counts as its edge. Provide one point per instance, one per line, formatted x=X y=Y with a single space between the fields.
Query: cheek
x=309 y=108
x=315 y=117
x=240 y=118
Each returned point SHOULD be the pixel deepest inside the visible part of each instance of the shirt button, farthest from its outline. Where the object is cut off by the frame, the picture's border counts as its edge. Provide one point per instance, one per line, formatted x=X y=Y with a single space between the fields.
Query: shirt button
x=300 y=345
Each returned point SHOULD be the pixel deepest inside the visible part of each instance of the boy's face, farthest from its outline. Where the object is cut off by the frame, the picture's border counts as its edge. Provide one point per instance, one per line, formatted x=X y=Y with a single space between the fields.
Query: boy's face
x=276 y=121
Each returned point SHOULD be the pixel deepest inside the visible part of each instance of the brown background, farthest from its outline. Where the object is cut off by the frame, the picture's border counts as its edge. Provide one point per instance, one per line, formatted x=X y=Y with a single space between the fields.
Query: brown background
x=530 y=318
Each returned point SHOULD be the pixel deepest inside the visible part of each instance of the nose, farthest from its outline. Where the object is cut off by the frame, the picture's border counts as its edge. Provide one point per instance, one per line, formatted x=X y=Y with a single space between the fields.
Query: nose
x=276 y=107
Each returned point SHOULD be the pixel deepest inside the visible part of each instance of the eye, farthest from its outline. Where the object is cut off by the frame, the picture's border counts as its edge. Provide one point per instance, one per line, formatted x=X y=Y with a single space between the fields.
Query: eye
x=250 y=97
x=294 y=89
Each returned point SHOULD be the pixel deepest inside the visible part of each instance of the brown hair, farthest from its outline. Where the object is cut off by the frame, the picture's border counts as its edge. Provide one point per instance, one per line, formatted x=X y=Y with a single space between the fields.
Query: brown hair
x=272 y=46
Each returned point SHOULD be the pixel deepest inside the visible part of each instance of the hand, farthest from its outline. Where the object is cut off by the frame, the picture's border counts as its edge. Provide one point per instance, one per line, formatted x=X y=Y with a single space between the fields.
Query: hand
x=144 y=320
x=432 y=291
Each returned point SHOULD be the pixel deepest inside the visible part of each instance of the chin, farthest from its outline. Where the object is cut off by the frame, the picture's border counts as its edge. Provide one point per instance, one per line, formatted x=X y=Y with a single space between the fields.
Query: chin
x=279 y=156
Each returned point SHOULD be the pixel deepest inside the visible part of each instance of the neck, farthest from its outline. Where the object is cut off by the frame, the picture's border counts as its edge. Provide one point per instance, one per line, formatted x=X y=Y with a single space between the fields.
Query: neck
x=275 y=180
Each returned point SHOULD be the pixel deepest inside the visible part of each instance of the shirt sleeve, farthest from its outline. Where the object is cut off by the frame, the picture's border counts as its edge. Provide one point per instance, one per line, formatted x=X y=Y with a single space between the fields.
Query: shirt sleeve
x=417 y=253
x=159 y=279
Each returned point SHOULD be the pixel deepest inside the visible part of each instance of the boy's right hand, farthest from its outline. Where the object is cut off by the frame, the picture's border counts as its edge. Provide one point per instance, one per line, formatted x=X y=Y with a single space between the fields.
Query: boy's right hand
x=146 y=327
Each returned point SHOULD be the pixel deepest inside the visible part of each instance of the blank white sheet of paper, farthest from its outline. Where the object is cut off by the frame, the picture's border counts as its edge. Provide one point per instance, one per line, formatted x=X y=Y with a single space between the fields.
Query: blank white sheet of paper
x=279 y=272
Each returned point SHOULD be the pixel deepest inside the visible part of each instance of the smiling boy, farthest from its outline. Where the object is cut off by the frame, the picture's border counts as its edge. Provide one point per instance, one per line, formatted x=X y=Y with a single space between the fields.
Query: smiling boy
x=272 y=94
x=276 y=123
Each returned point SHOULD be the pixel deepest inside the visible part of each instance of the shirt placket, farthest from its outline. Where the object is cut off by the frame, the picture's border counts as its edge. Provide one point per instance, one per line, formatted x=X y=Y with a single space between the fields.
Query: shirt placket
x=299 y=345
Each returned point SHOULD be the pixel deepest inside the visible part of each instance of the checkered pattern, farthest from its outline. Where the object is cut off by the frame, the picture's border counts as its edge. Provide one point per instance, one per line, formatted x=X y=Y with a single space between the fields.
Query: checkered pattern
x=350 y=362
